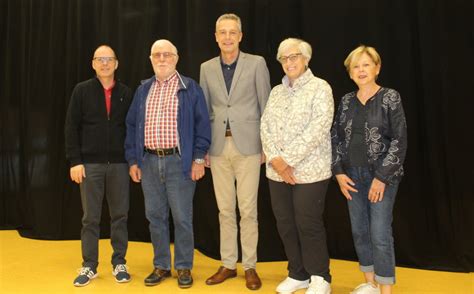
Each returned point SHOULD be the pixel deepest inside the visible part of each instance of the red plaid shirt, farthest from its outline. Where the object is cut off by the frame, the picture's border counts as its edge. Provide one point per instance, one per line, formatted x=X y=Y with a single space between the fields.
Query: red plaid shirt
x=161 y=126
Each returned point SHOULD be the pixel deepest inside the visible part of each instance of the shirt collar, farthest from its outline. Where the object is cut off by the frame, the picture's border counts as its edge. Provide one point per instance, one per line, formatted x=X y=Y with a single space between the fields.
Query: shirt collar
x=299 y=82
x=168 y=79
x=233 y=65
x=111 y=87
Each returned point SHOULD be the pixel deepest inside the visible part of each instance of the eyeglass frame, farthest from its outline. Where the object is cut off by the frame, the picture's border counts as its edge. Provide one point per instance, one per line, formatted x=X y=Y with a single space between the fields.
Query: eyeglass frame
x=105 y=59
x=292 y=57
x=165 y=55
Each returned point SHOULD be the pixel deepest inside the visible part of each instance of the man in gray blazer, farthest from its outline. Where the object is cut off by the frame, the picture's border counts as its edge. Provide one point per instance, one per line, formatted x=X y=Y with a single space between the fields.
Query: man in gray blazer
x=236 y=86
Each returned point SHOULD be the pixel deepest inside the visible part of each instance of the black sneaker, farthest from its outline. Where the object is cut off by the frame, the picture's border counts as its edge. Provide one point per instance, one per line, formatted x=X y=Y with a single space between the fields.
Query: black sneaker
x=156 y=276
x=185 y=280
x=120 y=273
x=86 y=274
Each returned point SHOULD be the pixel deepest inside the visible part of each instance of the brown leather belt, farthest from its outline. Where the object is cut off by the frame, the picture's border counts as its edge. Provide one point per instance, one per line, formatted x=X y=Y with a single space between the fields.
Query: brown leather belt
x=161 y=152
x=228 y=133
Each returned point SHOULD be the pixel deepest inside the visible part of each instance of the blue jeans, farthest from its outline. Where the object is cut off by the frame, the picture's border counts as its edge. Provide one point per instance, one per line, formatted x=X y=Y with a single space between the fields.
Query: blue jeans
x=164 y=187
x=372 y=226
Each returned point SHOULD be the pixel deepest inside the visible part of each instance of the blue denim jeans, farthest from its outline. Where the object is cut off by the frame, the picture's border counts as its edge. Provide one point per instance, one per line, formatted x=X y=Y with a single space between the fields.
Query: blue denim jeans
x=372 y=226
x=164 y=188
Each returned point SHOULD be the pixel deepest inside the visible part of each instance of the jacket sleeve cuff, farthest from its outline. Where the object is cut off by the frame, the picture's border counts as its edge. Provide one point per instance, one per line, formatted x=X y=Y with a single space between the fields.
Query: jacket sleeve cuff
x=337 y=170
x=198 y=154
x=381 y=178
x=75 y=161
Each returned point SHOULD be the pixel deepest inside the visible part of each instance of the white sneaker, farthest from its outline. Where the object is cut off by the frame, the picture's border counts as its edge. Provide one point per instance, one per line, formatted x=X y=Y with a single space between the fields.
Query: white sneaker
x=318 y=286
x=366 y=288
x=290 y=285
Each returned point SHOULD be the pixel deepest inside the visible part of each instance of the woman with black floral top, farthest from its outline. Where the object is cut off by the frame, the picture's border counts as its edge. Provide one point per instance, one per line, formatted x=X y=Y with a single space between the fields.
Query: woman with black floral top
x=369 y=142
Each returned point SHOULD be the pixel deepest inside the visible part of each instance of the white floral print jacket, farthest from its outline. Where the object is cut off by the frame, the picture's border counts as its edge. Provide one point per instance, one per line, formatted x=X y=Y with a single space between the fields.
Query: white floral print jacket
x=385 y=135
x=296 y=126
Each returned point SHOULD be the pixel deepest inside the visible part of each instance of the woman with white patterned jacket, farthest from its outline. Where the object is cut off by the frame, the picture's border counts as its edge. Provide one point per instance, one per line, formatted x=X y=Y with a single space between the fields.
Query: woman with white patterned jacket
x=296 y=140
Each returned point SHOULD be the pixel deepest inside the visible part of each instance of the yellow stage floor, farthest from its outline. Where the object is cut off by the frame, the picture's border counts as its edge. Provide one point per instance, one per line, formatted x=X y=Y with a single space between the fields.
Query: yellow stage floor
x=34 y=266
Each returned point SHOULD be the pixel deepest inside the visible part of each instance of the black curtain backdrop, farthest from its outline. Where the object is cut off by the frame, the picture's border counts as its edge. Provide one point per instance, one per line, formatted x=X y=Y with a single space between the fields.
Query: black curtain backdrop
x=426 y=48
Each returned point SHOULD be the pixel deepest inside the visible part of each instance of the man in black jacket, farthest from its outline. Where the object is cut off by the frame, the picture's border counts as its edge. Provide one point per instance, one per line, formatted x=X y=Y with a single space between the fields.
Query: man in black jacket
x=95 y=134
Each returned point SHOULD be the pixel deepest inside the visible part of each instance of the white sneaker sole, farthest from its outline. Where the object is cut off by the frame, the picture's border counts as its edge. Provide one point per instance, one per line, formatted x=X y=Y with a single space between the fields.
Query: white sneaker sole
x=91 y=278
x=293 y=290
x=120 y=281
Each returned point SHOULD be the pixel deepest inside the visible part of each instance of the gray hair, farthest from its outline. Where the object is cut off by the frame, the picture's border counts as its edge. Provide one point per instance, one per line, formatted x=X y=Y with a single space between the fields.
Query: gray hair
x=303 y=46
x=230 y=16
x=162 y=42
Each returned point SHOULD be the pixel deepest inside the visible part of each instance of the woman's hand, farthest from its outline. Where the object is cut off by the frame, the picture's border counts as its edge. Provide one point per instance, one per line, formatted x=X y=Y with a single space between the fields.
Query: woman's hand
x=376 y=191
x=288 y=176
x=278 y=164
x=346 y=185
x=284 y=170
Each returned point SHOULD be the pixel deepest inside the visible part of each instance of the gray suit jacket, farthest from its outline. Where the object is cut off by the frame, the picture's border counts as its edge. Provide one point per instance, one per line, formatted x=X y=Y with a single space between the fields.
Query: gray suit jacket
x=243 y=105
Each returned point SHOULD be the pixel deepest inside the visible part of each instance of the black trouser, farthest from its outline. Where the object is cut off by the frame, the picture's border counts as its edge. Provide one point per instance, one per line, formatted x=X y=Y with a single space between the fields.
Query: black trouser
x=111 y=180
x=299 y=211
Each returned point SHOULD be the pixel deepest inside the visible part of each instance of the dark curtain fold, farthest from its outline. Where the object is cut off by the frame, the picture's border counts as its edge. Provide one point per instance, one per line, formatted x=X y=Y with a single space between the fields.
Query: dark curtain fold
x=426 y=48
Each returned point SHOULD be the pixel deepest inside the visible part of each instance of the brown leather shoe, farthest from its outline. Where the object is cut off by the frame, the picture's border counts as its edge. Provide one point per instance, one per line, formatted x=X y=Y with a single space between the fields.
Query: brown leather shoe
x=252 y=281
x=222 y=274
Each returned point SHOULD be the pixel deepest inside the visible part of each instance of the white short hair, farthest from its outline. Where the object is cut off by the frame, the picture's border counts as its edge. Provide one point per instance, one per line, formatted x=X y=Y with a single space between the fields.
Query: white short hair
x=164 y=41
x=303 y=46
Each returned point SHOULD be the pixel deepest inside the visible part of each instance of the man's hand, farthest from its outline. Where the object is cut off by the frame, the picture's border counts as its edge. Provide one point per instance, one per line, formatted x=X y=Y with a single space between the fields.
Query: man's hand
x=207 y=161
x=77 y=172
x=197 y=171
x=135 y=173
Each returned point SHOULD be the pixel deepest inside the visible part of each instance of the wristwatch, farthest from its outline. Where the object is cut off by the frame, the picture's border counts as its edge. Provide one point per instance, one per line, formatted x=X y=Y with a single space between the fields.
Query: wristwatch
x=199 y=160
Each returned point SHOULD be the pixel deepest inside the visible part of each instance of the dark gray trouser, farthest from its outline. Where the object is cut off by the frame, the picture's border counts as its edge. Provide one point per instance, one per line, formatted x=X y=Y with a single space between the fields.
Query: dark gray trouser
x=299 y=215
x=111 y=180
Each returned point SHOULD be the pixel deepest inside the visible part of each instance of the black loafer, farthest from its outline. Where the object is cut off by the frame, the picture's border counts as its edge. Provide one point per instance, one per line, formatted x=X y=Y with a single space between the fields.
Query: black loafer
x=185 y=280
x=156 y=276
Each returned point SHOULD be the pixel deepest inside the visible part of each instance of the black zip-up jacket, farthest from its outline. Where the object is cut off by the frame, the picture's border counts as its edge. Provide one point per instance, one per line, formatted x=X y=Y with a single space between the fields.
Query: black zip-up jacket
x=385 y=135
x=91 y=135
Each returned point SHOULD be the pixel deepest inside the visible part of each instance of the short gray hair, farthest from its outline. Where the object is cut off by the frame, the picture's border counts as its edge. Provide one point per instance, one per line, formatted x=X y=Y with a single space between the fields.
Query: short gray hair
x=230 y=16
x=303 y=46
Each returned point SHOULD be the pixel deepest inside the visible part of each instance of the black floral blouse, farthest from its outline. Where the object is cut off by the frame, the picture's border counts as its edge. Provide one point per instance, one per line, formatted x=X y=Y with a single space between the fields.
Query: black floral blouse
x=385 y=135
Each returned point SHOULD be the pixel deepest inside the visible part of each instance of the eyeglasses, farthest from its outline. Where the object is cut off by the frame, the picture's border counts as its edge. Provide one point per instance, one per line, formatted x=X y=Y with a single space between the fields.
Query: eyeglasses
x=291 y=57
x=165 y=55
x=104 y=59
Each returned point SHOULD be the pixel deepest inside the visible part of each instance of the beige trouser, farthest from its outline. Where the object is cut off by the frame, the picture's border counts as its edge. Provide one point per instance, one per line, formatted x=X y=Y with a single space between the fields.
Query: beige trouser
x=230 y=166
